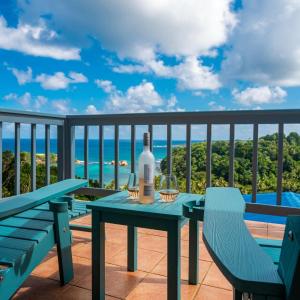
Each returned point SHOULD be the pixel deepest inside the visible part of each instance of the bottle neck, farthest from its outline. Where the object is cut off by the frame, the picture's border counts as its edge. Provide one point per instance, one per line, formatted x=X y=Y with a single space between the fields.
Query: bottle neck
x=146 y=148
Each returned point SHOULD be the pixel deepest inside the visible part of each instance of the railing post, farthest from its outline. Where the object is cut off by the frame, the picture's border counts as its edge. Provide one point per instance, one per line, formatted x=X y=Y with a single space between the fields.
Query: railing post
x=231 y=156
x=60 y=153
x=33 y=157
x=280 y=163
x=133 y=148
x=254 y=162
x=86 y=152
x=208 y=156
x=150 y=129
x=47 y=154
x=17 y=159
x=69 y=148
x=188 y=158
x=1 y=159
x=116 y=157
x=169 y=148
x=101 y=155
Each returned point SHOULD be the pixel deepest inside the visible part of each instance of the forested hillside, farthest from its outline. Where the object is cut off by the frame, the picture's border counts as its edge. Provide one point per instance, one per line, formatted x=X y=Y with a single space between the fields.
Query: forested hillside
x=267 y=164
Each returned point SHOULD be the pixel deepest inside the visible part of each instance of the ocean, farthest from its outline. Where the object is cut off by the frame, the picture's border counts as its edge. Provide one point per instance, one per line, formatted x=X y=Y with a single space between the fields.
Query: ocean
x=159 y=151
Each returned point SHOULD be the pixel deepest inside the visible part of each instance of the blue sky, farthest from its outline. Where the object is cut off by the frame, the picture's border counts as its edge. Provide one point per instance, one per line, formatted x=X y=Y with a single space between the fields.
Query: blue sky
x=87 y=57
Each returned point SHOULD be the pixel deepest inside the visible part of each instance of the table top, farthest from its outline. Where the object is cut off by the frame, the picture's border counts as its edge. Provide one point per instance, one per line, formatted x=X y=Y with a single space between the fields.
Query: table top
x=119 y=203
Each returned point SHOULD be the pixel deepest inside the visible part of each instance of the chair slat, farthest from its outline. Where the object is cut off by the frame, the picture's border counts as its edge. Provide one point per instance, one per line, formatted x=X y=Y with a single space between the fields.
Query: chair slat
x=27 y=224
x=17 y=244
x=11 y=257
x=25 y=234
x=36 y=215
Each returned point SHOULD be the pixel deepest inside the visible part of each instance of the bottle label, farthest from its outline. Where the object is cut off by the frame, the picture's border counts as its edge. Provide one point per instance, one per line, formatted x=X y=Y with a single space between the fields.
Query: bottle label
x=146 y=174
x=147 y=190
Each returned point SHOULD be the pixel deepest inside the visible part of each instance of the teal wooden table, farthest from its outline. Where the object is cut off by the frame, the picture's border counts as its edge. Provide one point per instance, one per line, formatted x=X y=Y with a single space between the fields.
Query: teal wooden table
x=118 y=209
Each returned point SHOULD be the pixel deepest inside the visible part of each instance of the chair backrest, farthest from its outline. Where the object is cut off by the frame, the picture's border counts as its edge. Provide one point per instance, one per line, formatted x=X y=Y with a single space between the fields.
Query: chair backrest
x=289 y=263
x=16 y=204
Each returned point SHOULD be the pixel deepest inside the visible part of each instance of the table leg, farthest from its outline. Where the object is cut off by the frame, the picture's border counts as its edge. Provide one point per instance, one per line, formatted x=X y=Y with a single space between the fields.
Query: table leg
x=174 y=261
x=193 y=251
x=98 y=257
x=131 y=248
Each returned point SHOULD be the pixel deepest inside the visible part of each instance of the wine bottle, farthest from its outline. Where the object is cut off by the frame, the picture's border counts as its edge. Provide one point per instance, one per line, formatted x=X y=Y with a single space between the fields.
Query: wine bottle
x=146 y=172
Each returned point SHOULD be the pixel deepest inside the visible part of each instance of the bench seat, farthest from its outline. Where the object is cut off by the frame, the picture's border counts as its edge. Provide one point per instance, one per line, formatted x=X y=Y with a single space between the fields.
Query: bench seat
x=258 y=269
x=271 y=247
x=232 y=247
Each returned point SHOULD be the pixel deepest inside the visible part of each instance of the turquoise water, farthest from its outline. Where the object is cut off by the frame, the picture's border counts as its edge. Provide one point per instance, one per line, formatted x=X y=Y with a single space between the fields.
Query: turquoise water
x=289 y=199
x=159 y=151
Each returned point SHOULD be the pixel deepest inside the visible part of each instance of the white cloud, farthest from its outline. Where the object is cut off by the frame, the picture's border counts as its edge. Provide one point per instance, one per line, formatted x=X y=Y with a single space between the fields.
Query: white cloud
x=24 y=100
x=23 y=77
x=266 y=44
x=136 y=99
x=42 y=104
x=131 y=68
x=172 y=105
x=140 y=29
x=213 y=105
x=62 y=106
x=56 y=81
x=105 y=85
x=92 y=110
x=193 y=75
x=27 y=101
x=34 y=40
x=140 y=98
x=190 y=73
x=59 y=80
x=10 y=96
x=259 y=95
x=40 y=101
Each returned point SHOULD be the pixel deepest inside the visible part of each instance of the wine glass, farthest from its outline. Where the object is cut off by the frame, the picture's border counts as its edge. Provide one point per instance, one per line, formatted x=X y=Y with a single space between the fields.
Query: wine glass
x=168 y=188
x=133 y=186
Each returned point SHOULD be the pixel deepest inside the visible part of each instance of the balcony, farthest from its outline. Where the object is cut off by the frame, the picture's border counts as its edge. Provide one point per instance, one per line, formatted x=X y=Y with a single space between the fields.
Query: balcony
x=150 y=280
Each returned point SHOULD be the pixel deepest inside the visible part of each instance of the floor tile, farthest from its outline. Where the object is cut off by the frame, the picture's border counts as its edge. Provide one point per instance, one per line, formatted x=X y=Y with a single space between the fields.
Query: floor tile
x=117 y=236
x=212 y=293
x=147 y=259
x=85 y=249
x=152 y=242
x=161 y=268
x=119 y=282
x=37 y=288
x=215 y=278
x=256 y=224
x=155 y=287
x=203 y=253
x=49 y=269
x=276 y=234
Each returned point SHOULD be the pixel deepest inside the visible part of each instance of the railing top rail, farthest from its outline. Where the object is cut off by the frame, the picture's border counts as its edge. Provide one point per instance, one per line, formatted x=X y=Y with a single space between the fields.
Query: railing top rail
x=28 y=117
x=211 y=117
x=287 y=116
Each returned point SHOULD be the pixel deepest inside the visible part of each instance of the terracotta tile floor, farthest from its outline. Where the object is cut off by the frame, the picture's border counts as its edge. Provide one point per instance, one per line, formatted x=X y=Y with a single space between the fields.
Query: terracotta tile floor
x=149 y=282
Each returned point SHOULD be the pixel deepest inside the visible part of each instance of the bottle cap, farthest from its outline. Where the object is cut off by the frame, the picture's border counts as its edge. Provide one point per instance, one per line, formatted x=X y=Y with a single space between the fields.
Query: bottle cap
x=146 y=139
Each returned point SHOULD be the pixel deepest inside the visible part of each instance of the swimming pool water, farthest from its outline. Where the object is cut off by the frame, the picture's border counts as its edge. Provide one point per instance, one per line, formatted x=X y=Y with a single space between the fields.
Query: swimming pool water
x=289 y=199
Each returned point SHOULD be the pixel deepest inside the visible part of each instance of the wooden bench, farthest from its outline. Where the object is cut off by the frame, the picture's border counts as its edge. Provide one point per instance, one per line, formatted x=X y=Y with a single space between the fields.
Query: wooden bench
x=30 y=225
x=246 y=265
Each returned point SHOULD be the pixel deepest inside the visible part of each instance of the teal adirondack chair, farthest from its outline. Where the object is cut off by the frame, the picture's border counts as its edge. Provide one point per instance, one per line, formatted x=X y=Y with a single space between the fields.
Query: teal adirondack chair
x=269 y=271
x=30 y=225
